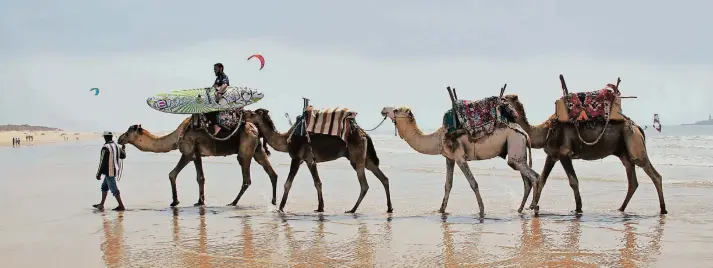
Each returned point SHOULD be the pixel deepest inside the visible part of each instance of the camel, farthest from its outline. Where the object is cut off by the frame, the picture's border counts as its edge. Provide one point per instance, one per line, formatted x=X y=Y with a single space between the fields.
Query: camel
x=197 y=143
x=504 y=141
x=358 y=149
x=622 y=139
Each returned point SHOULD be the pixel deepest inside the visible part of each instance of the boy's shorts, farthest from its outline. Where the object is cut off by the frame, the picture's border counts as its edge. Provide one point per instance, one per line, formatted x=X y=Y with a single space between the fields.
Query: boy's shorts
x=109 y=183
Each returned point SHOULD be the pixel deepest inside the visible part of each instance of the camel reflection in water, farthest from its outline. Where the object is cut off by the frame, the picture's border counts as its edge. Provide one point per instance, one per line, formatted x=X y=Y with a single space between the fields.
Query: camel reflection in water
x=536 y=249
x=318 y=240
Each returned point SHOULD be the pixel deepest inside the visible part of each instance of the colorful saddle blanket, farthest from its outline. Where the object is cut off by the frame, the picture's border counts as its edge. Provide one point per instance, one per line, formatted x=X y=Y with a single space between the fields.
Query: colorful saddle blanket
x=591 y=106
x=327 y=121
x=479 y=118
x=227 y=120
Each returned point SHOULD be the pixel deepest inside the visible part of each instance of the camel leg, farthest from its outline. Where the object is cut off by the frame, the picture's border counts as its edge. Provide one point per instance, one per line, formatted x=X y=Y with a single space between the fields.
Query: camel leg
x=632 y=180
x=463 y=164
x=294 y=167
x=261 y=158
x=573 y=182
x=384 y=181
x=200 y=178
x=549 y=164
x=656 y=179
x=450 y=166
x=317 y=184
x=245 y=166
x=517 y=160
x=527 y=186
x=183 y=162
x=359 y=161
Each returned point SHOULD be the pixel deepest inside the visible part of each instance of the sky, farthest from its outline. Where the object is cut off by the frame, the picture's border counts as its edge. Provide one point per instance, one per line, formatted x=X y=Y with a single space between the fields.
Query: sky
x=363 y=55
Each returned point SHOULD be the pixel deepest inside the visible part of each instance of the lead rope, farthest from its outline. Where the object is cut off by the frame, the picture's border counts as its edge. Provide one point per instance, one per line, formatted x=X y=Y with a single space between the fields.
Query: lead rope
x=377 y=126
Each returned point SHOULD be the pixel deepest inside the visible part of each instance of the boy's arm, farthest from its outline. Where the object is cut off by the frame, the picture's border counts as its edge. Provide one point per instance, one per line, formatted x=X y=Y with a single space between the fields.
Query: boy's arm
x=122 y=152
x=103 y=159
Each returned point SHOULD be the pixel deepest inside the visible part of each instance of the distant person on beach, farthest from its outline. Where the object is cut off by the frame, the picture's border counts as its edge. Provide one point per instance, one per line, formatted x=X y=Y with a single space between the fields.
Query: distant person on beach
x=110 y=166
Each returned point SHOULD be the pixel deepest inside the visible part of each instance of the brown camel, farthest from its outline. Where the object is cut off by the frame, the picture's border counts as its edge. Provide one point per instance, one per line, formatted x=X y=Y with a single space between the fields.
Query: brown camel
x=504 y=141
x=622 y=139
x=358 y=149
x=196 y=143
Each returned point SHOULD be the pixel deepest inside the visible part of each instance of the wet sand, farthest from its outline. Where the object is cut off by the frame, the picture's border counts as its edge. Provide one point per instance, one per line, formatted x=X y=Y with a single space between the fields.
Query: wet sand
x=48 y=220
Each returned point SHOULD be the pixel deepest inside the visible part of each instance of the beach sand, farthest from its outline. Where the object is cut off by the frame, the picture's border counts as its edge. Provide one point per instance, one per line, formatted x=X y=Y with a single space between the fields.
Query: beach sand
x=48 y=220
x=45 y=137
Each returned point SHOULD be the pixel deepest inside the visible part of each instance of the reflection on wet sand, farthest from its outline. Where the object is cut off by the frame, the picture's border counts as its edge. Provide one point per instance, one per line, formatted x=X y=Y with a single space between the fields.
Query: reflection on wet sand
x=112 y=245
x=282 y=240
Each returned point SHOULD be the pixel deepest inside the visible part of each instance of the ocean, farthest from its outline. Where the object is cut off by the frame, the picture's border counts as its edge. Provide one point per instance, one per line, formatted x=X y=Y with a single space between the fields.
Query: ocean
x=47 y=192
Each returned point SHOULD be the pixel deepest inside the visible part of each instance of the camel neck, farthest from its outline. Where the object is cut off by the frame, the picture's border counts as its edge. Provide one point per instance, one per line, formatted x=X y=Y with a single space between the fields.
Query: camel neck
x=274 y=138
x=148 y=142
x=431 y=144
x=538 y=134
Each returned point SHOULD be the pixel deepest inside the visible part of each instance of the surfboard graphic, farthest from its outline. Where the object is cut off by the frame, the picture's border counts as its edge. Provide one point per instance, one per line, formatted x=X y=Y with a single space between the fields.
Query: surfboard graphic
x=202 y=100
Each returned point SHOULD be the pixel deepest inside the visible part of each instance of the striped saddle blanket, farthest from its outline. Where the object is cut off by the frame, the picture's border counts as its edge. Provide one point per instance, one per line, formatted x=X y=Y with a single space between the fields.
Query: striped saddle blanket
x=329 y=121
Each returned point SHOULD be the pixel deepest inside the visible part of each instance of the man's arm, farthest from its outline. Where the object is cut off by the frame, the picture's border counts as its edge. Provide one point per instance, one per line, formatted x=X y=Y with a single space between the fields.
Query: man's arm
x=103 y=160
x=122 y=152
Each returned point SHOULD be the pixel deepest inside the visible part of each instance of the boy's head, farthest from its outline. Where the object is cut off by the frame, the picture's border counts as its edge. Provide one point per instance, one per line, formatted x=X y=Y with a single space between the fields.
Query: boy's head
x=108 y=136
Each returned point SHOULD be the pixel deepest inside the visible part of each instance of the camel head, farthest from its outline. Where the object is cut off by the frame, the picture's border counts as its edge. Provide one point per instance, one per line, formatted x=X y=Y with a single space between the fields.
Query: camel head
x=259 y=116
x=394 y=113
x=513 y=101
x=131 y=134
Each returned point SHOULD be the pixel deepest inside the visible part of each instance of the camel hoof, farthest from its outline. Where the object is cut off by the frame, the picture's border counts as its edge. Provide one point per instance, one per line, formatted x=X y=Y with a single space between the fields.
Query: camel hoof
x=174 y=203
x=664 y=212
x=274 y=203
x=199 y=204
x=519 y=211
x=442 y=211
x=319 y=210
x=391 y=210
x=349 y=211
x=231 y=204
x=482 y=215
x=578 y=212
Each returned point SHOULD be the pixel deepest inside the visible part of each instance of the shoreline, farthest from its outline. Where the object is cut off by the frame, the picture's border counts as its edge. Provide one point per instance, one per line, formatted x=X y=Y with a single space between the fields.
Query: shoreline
x=44 y=137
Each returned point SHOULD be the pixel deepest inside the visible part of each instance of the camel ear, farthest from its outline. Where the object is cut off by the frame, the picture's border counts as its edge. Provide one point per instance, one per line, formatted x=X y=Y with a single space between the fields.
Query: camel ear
x=410 y=114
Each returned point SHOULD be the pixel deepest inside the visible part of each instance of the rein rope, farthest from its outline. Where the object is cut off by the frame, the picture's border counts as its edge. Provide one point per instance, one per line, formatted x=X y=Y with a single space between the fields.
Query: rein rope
x=377 y=126
x=576 y=128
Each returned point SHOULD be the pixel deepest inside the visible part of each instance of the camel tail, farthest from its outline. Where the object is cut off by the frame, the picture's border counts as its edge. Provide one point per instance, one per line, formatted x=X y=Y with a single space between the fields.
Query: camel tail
x=529 y=152
x=264 y=146
x=371 y=151
x=643 y=134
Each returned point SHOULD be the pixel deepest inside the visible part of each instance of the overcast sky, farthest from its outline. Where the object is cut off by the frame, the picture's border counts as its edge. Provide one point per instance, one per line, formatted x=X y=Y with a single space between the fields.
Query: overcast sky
x=361 y=54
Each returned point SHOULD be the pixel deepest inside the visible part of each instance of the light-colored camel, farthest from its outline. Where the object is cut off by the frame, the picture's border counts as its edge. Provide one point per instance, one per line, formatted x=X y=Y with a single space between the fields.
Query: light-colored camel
x=197 y=143
x=622 y=139
x=358 y=149
x=504 y=141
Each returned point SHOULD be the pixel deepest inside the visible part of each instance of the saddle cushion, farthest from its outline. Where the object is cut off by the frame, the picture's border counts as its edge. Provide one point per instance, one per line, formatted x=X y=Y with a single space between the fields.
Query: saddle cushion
x=600 y=106
x=479 y=118
x=330 y=121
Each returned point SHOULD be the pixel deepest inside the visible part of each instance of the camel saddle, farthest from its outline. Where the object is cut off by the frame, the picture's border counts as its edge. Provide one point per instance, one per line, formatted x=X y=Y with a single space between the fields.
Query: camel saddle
x=328 y=121
x=227 y=120
x=593 y=106
x=478 y=118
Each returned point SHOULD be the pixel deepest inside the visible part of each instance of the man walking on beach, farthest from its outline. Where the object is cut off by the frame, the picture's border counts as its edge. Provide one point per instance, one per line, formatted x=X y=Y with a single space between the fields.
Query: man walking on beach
x=110 y=165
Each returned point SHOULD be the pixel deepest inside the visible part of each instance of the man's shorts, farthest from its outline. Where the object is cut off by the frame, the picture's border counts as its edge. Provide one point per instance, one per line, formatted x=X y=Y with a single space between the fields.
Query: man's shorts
x=110 y=184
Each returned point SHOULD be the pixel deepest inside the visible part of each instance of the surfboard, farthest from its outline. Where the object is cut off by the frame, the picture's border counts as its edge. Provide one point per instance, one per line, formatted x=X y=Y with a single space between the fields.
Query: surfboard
x=202 y=100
